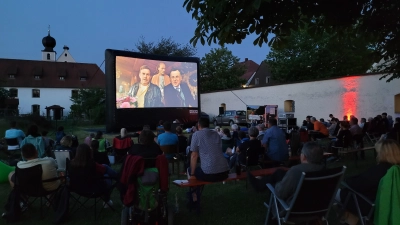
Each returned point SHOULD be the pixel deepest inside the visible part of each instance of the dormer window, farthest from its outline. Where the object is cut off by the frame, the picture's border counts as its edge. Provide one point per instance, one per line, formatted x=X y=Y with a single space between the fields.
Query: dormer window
x=62 y=78
x=11 y=76
x=37 y=77
x=83 y=75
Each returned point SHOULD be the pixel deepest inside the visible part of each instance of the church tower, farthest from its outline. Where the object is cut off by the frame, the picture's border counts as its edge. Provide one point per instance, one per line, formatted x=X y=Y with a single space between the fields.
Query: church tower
x=48 y=54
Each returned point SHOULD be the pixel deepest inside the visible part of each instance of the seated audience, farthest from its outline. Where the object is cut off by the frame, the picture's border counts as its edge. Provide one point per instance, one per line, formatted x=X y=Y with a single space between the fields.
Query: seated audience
x=249 y=147
x=66 y=144
x=326 y=124
x=394 y=133
x=226 y=134
x=275 y=142
x=182 y=140
x=147 y=147
x=104 y=144
x=168 y=138
x=235 y=134
x=160 y=127
x=13 y=132
x=390 y=121
x=362 y=123
x=83 y=165
x=33 y=137
x=99 y=157
x=310 y=125
x=48 y=142
x=59 y=134
x=49 y=167
x=206 y=144
x=332 y=127
x=89 y=138
x=261 y=129
x=320 y=130
x=366 y=183
x=354 y=128
x=344 y=137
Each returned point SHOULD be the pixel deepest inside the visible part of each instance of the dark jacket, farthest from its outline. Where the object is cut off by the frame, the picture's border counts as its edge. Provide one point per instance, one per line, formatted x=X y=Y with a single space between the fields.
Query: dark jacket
x=173 y=98
x=365 y=183
x=152 y=98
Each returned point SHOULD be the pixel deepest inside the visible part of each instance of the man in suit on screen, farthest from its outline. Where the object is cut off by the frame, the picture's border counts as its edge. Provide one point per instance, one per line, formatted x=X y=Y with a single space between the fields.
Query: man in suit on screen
x=177 y=94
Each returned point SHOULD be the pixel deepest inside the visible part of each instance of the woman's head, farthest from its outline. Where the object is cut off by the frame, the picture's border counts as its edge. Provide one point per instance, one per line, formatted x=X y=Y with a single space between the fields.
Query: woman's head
x=179 y=130
x=227 y=132
x=146 y=137
x=66 y=141
x=388 y=151
x=99 y=135
x=83 y=156
x=33 y=130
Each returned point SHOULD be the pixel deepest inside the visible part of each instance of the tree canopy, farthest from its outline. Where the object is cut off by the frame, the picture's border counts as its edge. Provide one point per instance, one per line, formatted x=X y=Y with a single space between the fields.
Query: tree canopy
x=165 y=46
x=305 y=57
x=220 y=70
x=376 y=20
x=89 y=102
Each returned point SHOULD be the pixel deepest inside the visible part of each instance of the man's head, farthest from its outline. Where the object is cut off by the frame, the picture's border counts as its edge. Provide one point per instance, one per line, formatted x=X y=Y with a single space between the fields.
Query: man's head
x=330 y=116
x=313 y=119
x=363 y=120
x=308 y=118
x=29 y=152
x=176 y=77
x=322 y=120
x=311 y=153
x=13 y=124
x=179 y=130
x=260 y=127
x=370 y=119
x=167 y=126
x=384 y=115
x=203 y=123
x=272 y=122
x=397 y=120
x=66 y=141
x=234 y=127
x=353 y=121
x=242 y=135
x=144 y=75
x=161 y=68
x=94 y=145
x=345 y=118
x=253 y=132
x=146 y=137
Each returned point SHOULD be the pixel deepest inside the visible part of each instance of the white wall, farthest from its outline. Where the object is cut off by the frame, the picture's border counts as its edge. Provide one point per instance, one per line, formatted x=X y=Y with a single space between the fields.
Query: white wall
x=362 y=96
x=63 y=58
x=48 y=97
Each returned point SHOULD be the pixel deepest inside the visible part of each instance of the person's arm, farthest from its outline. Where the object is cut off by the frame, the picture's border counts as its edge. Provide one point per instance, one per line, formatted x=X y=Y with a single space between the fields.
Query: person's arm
x=285 y=188
x=193 y=163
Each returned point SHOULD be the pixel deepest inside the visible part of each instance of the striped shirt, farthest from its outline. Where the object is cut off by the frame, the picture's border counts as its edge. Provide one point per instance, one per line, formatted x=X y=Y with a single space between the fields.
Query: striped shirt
x=208 y=144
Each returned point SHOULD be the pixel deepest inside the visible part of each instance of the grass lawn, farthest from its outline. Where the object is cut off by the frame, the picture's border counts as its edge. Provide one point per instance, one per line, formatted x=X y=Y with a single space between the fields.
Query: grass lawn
x=228 y=203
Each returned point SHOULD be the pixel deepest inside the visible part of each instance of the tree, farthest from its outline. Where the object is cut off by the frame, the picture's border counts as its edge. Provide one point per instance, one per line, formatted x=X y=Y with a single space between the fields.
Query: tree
x=306 y=57
x=376 y=20
x=89 y=102
x=220 y=70
x=165 y=46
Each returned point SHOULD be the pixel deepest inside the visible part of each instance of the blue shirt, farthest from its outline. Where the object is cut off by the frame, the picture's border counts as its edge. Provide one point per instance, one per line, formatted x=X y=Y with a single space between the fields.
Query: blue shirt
x=15 y=133
x=275 y=140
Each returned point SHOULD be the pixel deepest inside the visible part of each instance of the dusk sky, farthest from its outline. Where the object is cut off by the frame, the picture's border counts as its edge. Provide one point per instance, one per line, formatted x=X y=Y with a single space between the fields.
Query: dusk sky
x=89 y=27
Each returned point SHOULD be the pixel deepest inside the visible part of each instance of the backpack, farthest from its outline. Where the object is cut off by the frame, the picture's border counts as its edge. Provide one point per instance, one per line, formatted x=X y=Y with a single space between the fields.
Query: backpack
x=147 y=189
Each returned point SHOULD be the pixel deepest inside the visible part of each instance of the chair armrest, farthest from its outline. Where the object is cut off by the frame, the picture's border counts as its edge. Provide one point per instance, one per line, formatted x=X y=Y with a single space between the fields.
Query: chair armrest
x=344 y=184
x=283 y=203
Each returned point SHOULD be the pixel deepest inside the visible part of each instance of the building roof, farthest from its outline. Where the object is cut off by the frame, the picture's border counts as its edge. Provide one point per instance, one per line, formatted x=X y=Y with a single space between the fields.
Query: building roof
x=46 y=74
x=251 y=68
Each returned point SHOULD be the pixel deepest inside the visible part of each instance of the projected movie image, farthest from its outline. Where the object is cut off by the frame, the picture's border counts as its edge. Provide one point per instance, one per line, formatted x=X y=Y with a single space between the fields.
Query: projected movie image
x=143 y=83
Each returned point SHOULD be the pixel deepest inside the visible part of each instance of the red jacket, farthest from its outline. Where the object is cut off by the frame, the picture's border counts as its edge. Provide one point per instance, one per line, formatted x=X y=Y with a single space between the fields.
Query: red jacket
x=134 y=167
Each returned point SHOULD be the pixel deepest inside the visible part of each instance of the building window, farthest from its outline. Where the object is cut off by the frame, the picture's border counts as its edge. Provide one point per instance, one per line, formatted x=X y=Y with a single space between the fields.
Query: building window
x=74 y=93
x=11 y=76
x=48 y=56
x=288 y=106
x=35 y=93
x=13 y=92
x=37 y=77
x=257 y=81
x=35 y=109
x=397 y=103
x=267 y=80
x=83 y=78
x=65 y=54
x=62 y=78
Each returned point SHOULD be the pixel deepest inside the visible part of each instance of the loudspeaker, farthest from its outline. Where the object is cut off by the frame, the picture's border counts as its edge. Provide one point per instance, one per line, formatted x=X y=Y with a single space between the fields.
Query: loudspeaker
x=291 y=121
x=57 y=114
x=221 y=110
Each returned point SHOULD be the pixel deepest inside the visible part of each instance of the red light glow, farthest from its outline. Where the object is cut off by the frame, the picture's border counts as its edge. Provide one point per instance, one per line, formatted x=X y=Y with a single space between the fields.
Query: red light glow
x=350 y=96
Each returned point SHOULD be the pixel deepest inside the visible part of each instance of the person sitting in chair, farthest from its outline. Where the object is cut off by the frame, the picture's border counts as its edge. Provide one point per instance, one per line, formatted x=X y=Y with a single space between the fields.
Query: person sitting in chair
x=13 y=132
x=49 y=167
x=274 y=141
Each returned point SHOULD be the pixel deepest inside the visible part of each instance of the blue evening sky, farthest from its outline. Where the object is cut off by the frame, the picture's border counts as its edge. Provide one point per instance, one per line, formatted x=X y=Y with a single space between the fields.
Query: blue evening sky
x=89 y=27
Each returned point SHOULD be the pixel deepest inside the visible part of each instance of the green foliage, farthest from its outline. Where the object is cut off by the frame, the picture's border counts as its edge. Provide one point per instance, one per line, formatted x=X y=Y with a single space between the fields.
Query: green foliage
x=220 y=70
x=165 y=46
x=89 y=103
x=305 y=57
x=232 y=21
x=4 y=94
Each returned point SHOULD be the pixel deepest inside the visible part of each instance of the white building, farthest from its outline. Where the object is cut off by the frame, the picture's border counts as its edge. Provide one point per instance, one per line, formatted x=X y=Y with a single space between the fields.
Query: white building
x=362 y=96
x=47 y=82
